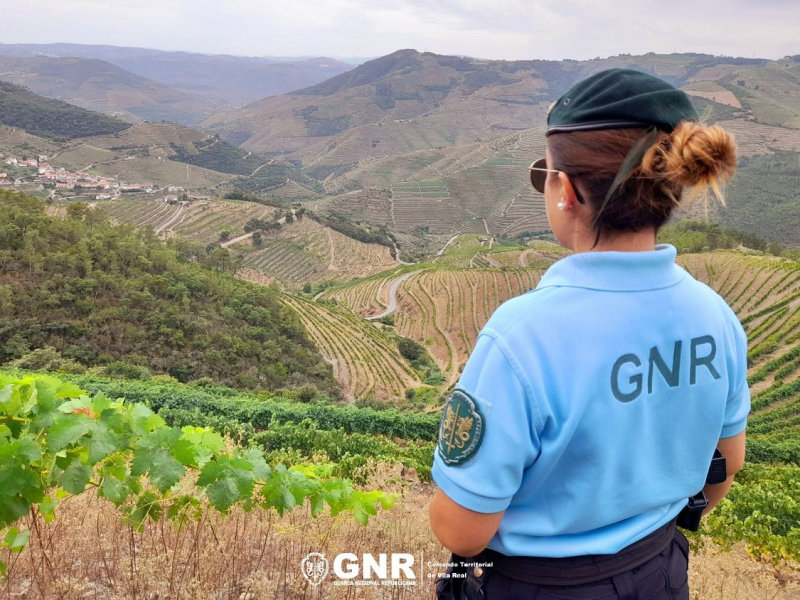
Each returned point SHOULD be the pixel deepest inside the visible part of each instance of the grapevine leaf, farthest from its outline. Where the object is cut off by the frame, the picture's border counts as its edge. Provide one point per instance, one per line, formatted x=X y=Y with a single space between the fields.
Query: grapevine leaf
x=3 y=570
x=102 y=443
x=147 y=505
x=387 y=501
x=164 y=470
x=17 y=540
x=155 y=457
x=261 y=469
x=67 y=430
x=12 y=509
x=75 y=405
x=185 y=505
x=228 y=481
x=203 y=442
x=15 y=475
x=69 y=390
x=277 y=495
x=115 y=490
x=317 y=503
x=75 y=478
x=47 y=508
x=360 y=514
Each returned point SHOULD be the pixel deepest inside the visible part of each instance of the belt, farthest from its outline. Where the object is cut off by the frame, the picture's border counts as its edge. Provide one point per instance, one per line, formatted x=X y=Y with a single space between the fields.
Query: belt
x=579 y=570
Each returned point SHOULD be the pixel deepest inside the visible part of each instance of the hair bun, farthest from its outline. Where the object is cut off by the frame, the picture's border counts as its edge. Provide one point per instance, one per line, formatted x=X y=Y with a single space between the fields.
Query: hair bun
x=693 y=155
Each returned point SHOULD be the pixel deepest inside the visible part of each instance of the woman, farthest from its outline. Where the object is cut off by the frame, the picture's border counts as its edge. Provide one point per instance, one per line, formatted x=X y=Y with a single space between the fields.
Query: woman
x=591 y=406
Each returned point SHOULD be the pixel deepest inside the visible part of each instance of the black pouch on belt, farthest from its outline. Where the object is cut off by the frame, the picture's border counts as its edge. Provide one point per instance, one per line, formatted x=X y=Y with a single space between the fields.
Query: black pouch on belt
x=449 y=586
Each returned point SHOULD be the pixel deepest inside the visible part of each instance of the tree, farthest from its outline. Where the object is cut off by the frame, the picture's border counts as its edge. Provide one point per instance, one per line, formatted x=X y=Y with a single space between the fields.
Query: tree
x=76 y=211
x=225 y=235
x=257 y=241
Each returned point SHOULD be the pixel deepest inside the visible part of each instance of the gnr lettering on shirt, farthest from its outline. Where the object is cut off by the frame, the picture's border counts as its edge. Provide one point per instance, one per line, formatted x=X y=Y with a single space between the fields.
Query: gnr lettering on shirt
x=702 y=351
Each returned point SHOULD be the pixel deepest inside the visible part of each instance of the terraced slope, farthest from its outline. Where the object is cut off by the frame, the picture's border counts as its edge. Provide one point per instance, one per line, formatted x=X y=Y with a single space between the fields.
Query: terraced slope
x=366 y=363
x=307 y=252
x=202 y=221
x=765 y=293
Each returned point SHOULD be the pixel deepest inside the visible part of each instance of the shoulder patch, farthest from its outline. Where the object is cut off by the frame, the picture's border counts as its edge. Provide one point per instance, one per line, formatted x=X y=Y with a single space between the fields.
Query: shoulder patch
x=461 y=428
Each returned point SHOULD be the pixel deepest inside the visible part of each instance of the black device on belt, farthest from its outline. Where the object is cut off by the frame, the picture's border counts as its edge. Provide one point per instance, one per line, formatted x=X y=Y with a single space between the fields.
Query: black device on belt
x=689 y=517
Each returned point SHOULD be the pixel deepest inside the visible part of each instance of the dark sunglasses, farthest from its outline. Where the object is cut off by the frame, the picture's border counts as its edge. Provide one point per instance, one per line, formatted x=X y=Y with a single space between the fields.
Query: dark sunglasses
x=539 y=173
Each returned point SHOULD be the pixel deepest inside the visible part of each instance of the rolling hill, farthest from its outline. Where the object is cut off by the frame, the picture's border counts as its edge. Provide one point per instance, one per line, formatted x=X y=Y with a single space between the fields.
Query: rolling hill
x=232 y=80
x=417 y=140
x=100 y=86
x=19 y=107
x=107 y=297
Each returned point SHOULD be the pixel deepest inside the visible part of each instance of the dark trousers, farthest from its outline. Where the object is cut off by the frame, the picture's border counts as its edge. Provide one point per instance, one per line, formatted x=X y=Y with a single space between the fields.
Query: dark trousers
x=664 y=577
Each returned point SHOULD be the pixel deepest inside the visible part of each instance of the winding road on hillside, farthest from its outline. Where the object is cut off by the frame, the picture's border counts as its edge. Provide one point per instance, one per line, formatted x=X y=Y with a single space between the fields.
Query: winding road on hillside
x=392 y=305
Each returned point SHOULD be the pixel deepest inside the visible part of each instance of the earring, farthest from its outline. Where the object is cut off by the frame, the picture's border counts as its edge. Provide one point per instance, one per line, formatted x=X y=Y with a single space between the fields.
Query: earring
x=560 y=206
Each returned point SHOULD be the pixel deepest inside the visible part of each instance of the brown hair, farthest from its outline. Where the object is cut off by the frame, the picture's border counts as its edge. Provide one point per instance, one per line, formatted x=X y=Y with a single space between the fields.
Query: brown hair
x=693 y=157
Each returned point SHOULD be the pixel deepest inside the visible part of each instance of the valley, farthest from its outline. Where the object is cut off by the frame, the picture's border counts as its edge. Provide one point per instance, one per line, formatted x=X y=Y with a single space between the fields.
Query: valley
x=284 y=265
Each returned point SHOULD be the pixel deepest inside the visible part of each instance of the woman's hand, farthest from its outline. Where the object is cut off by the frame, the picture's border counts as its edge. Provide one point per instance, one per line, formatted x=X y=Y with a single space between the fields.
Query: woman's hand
x=462 y=531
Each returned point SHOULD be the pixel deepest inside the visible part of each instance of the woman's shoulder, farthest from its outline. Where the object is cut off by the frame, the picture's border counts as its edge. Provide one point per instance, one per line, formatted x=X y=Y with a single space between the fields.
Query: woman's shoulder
x=528 y=307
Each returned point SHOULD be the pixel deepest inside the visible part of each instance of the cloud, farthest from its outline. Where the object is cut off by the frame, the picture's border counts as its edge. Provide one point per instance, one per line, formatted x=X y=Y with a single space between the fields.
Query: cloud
x=511 y=29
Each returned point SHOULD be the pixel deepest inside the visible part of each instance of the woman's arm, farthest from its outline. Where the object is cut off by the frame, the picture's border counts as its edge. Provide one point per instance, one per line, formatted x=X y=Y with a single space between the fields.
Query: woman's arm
x=462 y=531
x=733 y=449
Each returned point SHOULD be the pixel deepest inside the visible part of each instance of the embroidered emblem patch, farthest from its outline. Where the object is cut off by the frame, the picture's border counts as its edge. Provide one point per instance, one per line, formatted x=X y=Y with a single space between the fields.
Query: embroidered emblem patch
x=461 y=428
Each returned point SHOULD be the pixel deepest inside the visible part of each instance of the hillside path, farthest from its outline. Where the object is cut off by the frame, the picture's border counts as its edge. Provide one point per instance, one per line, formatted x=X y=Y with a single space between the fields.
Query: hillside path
x=450 y=241
x=392 y=305
x=177 y=218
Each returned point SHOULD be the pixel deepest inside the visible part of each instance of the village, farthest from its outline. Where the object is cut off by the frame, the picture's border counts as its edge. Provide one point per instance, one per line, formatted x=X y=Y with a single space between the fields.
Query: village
x=27 y=172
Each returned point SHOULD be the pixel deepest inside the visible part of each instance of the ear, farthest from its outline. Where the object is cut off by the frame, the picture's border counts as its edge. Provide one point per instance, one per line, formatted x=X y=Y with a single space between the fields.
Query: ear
x=568 y=191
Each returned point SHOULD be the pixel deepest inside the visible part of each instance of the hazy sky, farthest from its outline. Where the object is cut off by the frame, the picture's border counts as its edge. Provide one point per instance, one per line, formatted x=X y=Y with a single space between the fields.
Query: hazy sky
x=510 y=29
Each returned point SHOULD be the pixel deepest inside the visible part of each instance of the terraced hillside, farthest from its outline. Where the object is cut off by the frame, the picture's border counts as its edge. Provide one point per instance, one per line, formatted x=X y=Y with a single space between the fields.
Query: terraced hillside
x=301 y=252
x=202 y=221
x=445 y=303
x=366 y=363
x=440 y=307
x=305 y=251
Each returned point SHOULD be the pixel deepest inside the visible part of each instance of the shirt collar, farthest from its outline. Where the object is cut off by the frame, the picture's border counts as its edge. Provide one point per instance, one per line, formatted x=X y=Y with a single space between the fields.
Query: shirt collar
x=617 y=271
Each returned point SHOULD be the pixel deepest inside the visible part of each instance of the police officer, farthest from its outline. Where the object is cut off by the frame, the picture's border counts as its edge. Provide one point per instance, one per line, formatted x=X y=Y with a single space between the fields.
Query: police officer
x=591 y=406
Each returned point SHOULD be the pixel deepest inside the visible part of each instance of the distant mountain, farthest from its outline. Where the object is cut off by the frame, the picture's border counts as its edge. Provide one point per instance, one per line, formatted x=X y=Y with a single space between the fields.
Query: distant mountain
x=100 y=86
x=448 y=100
x=423 y=142
x=21 y=108
x=232 y=80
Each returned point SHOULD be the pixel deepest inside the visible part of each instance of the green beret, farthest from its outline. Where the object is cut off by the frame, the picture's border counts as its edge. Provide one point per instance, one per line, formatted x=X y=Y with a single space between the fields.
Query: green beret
x=619 y=98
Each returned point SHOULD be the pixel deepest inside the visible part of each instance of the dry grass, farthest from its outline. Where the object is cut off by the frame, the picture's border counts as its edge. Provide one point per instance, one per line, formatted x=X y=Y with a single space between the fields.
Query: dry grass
x=87 y=553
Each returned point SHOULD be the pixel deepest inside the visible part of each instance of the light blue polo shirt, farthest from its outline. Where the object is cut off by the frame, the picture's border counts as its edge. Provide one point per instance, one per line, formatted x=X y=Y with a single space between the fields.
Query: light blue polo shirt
x=603 y=393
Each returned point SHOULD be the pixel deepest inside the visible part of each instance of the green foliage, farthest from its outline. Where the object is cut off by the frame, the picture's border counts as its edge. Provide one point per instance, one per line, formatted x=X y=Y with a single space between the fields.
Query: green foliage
x=19 y=107
x=355 y=455
x=47 y=359
x=260 y=414
x=275 y=175
x=695 y=236
x=764 y=197
x=367 y=233
x=114 y=297
x=419 y=358
x=317 y=126
x=218 y=155
x=762 y=510
x=56 y=440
